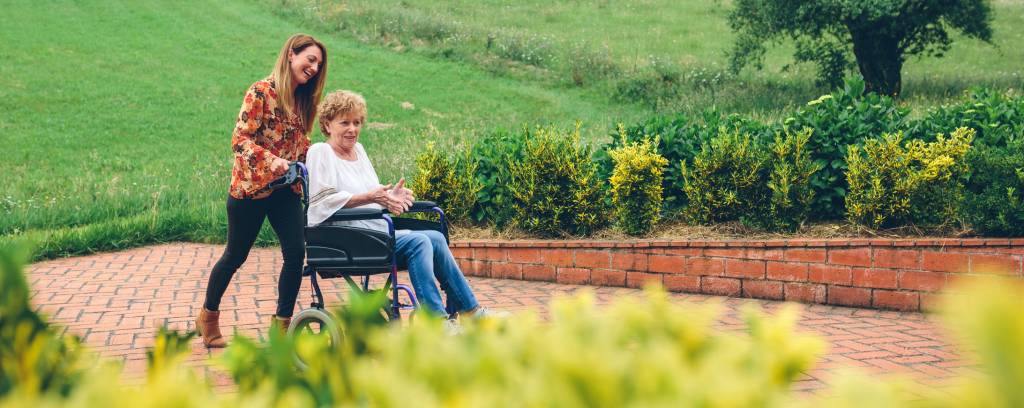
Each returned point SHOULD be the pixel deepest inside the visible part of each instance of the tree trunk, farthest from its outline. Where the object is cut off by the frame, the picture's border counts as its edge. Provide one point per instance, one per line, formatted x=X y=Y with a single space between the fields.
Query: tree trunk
x=880 y=60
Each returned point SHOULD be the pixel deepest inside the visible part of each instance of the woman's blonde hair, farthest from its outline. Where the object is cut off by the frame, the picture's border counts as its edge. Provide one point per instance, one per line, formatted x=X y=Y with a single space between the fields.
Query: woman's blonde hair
x=300 y=100
x=339 y=103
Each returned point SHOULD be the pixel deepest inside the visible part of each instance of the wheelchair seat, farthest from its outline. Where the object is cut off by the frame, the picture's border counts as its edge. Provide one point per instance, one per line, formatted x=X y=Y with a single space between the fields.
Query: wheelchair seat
x=338 y=250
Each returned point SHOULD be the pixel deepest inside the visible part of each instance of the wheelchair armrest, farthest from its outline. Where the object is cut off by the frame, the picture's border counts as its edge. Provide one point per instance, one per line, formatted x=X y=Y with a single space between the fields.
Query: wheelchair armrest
x=421 y=206
x=352 y=214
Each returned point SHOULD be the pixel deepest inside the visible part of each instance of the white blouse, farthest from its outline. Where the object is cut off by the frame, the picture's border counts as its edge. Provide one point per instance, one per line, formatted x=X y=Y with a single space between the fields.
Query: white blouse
x=333 y=181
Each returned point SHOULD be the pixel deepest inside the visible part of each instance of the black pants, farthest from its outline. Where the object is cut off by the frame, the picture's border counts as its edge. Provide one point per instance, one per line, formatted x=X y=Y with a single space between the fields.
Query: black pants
x=245 y=217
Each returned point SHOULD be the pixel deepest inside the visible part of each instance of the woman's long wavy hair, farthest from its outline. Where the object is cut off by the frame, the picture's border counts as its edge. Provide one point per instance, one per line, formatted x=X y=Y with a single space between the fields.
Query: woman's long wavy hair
x=300 y=100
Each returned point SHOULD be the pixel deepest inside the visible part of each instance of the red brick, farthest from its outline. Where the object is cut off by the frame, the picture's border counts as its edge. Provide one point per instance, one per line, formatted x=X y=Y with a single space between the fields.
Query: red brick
x=995 y=264
x=874 y=278
x=720 y=286
x=726 y=252
x=816 y=255
x=524 y=255
x=787 y=271
x=945 y=261
x=889 y=299
x=466 y=266
x=574 y=276
x=666 y=264
x=507 y=270
x=705 y=266
x=836 y=275
x=744 y=269
x=491 y=254
x=593 y=259
x=684 y=251
x=629 y=261
x=557 y=257
x=480 y=268
x=846 y=296
x=897 y=258
x=764 y=254
x=927 y=281
x=544 y=273
x=607 y=277
x=804 y=292
x=762 y=289
x=682 y=283
x=850 y=257
x=641 y=279
x=462 y=252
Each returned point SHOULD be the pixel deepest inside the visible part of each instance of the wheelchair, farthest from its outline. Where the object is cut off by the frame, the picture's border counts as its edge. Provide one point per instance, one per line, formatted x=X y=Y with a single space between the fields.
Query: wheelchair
x=335 y=250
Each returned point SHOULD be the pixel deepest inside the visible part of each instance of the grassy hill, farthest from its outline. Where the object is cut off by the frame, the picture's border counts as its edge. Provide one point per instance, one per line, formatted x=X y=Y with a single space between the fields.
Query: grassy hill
x=117 y=114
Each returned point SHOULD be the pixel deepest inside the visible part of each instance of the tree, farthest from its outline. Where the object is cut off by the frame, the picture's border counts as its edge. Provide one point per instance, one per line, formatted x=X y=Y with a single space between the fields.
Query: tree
x=880 y=34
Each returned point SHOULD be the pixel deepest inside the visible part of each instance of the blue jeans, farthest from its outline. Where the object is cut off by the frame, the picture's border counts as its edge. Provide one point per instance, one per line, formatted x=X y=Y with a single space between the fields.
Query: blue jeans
x=427 y=257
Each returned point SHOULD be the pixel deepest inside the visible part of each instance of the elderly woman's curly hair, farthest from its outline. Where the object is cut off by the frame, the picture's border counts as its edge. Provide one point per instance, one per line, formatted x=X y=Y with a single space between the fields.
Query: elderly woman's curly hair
x=340 y=103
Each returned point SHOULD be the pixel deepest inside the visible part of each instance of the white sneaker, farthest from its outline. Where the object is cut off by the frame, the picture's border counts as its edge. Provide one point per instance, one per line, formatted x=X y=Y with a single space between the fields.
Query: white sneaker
x=452 y=327
x=485 y=313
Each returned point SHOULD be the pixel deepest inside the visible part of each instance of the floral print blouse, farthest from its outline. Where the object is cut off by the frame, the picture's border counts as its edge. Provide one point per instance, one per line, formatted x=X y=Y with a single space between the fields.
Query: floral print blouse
x=263 y=131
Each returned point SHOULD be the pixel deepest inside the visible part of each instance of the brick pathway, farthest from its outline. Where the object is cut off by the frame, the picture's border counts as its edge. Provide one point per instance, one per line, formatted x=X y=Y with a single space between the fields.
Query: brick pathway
x=115 y=301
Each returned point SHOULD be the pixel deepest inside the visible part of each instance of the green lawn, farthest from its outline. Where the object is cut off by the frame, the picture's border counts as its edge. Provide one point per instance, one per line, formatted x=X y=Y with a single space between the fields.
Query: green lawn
x=117 y=114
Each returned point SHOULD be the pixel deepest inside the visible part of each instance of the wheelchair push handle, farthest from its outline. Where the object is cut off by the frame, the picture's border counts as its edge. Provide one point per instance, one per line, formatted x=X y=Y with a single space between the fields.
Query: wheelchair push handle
x=296 y=173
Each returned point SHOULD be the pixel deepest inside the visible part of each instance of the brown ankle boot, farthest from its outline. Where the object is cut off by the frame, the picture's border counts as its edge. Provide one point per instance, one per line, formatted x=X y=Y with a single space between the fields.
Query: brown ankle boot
x=208 y=326
x=281 y=324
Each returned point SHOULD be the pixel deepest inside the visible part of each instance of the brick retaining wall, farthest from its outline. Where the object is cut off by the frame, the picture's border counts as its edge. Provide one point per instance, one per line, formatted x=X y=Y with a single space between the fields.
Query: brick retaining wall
x=885 y=274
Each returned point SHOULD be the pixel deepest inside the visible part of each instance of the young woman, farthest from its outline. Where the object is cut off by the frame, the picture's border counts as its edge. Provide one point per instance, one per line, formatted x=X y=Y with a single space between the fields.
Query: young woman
x=272 y=130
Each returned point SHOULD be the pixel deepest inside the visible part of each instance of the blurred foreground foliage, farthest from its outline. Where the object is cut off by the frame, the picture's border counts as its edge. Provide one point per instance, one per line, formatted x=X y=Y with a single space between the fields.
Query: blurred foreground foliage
x=638 y=351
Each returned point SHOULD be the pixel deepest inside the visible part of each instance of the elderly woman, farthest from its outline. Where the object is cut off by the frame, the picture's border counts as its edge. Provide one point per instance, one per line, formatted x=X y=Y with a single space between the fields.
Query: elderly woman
x=341 y=176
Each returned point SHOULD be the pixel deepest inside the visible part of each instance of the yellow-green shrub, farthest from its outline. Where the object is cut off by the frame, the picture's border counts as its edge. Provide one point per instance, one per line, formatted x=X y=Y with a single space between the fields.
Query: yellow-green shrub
x=449 y=182
x=789 y=204
x=893 y=183
x=726 y=180
x=33 y=359
x=555 y=189
x=636 y=184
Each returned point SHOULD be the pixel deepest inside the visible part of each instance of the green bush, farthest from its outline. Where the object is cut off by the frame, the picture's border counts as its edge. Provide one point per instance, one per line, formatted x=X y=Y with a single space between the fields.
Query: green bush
x=555 y=189
x=893 y=183
x=636 y=185
x=680 y=138
x=789 y=204
x=492 y=154
x=996 y=117
x=843 y=118
x=449 y=182
x=726 y=180
x=994 y=201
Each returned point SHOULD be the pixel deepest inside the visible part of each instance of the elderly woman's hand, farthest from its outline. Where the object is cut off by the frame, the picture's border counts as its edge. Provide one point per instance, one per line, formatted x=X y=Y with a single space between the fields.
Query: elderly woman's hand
x=402 y=194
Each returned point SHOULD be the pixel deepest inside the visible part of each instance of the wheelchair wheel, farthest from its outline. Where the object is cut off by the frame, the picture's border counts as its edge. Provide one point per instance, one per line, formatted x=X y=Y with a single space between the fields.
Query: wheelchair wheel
x=315 y=322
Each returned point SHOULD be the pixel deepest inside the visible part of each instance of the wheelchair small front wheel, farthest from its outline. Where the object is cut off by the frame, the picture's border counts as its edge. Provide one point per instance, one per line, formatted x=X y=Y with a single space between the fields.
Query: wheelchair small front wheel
x=318 y=323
